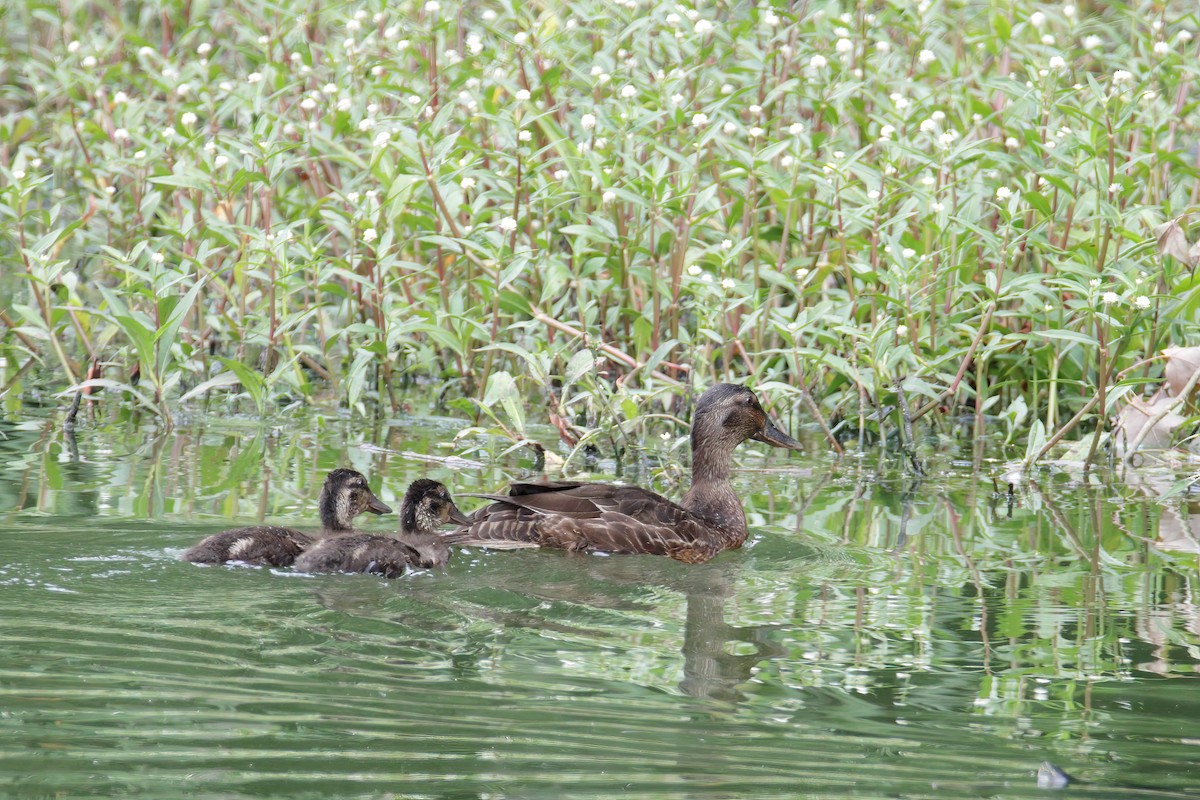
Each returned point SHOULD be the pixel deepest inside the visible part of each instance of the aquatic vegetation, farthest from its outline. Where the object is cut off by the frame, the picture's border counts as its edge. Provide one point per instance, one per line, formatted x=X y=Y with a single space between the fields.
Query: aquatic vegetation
x=883 y=212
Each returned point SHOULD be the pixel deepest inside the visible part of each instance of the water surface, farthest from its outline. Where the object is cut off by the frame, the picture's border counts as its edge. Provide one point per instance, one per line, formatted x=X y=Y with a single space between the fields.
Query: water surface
x=876 y=638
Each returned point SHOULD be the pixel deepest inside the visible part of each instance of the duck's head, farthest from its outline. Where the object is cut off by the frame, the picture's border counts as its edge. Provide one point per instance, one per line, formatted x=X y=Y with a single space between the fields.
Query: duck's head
x=427 y=506
x=345 y=496
x=727 y=415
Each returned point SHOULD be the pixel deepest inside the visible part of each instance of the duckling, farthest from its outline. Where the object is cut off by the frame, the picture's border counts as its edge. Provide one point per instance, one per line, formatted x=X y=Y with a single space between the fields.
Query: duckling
x=629 y=519
x=344 y=496
x=426 y=506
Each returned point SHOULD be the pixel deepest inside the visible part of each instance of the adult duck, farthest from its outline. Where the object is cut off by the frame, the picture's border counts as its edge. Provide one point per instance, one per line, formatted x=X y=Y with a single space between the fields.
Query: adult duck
x=427 y=506
x=344 y=496
x=628 y=519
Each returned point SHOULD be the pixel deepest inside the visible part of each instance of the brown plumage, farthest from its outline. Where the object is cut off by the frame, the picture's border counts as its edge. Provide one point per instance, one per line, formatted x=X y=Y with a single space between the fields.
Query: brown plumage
x=427 y=506
x=628 y=519
x=344 y=496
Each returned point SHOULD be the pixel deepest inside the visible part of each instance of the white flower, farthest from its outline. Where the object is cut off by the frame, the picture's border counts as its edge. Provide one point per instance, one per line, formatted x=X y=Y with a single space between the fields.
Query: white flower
x=1003 y=193
x=220 y=161
x=801 y=274
x=1114 y=188
x=1011 y=143
x=489 y=15
x=520 y=38
x=730 y=128
x=1142 y=302
x=1068 y=10
x=755 y=110
x=1161 y=48
x=818 y=62
x=1038 y=19
x=928 y=180
x=145 y=51
x=140 y=154
x=770 y=18
x=522 y=94
x=1184 y=36
x=225 y=86
x=524 y=136
x=672 y=20
x=1122 y=76
x=699 y=119
x=937 y=208
x=882 y=47
x=908 y=252
x=726 y=88
x=467 y=184
x=885 y=133
x=628 y=91
x=1058 y=62
x=204 y=49
x=694 y=270
x=1047 y=39
x=728 y=283
x=608 y=197
x=928 y=126
x=587 y=121
x=120 y=98
x=308 y=104
x=188 y=118
x=365 y=125
x=18 y=174
x=120 y=135
x=89 y=62
x=432 y=7
x=926 y=57
x=946 y=138
x=726 y=244
x=873 y=194
x=1092 y=42
x=344 y=105
x=168 y=133
x=561 y=174
x=795 y=129
x=369 y=235
x=844 y=46
x=676 y=99
x=703 y=26
x=1108 y=298
x=73 y=46
x=508 y=225
x=352 y=197
x=755 y=132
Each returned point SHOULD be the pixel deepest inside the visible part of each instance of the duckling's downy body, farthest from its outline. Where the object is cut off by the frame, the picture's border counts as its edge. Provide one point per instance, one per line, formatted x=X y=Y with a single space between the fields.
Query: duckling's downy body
x=427 y=505
x=344 y=496
x=629 y=519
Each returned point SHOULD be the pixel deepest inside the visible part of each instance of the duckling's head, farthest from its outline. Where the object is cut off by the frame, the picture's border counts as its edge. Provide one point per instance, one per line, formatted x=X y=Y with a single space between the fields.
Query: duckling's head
x=345 y=496
x=727 y=415
x=427 y=506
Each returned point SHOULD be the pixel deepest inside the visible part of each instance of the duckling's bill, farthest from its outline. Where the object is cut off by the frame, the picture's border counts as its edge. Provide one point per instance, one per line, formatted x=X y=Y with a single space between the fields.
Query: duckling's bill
x=377 y=506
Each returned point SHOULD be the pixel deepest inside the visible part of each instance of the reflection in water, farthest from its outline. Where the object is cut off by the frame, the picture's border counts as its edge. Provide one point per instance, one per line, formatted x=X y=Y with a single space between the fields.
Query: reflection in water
x=877 y=636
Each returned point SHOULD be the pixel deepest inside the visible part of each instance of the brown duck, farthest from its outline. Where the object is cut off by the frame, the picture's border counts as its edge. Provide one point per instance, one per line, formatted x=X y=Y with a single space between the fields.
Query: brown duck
x=344 y=496
x=628 y=519
x=426 y=507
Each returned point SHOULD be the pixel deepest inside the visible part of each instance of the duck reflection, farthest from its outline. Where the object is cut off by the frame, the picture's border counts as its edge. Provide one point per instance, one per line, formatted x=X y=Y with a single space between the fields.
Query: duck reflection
x=554 y=595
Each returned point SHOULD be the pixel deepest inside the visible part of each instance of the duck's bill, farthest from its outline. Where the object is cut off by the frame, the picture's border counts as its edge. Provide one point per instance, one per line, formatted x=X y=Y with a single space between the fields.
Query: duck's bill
x=376 y=506
x=458 y=516
x=776 y=438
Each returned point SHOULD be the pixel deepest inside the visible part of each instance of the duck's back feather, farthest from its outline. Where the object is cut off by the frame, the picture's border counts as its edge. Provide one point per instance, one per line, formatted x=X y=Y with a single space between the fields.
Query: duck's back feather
x=379 y=555
x=267 y=545
x=595 y=516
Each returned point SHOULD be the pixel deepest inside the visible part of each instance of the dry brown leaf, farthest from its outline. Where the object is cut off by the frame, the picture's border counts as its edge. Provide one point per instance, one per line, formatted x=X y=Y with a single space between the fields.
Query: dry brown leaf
x=1133 y=417
x=1172 y=241
x=1182 y=363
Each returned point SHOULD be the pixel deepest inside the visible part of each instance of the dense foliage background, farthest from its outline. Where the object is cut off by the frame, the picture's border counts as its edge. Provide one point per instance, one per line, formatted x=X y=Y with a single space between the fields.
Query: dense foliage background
x=940 y=206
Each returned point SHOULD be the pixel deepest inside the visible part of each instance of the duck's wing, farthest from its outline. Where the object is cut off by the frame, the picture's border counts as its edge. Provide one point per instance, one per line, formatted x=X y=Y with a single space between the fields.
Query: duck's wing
x=592 y=516
x=267 y=545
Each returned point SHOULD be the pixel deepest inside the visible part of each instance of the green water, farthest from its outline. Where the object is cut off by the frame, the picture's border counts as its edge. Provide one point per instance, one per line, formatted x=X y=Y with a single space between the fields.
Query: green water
x=875 y=638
